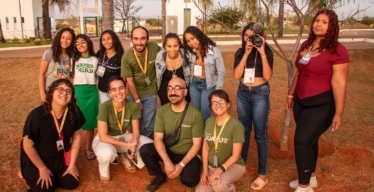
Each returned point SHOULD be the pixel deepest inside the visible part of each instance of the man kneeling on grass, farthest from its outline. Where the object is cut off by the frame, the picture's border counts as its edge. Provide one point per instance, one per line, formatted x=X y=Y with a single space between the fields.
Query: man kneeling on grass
x=178 y=134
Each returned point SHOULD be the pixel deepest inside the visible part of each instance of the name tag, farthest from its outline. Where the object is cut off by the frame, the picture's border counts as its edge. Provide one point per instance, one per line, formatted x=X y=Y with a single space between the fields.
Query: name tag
x=198 y=70
x=249 y=75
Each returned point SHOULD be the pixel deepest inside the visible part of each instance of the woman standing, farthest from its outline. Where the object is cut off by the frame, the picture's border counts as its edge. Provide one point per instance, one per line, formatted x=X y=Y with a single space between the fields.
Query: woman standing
x=109 y=64
x=253 y=67
x=317 y=94
x=86 y=93
x=113 y=137
x=51 y=140
x=223 y=142
x=170 y=63
x=208 y=69
x=56 y=61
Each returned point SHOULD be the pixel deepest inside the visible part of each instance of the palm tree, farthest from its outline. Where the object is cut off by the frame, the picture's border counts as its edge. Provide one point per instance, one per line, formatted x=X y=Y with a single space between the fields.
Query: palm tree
x=280 y=18
x=108 y=14
x=62 y=4
x=2 y=40
x=163 y=18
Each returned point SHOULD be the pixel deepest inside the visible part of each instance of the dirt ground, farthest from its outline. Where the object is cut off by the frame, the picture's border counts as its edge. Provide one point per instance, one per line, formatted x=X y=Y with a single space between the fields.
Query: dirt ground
x=346 y=160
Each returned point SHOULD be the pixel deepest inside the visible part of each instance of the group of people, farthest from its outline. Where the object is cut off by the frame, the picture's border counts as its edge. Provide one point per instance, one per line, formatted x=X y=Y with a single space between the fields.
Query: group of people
x=116 y=91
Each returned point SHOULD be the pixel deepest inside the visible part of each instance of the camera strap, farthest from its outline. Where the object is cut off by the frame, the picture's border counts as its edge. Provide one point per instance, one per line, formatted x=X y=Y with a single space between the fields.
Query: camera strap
x=249 y=73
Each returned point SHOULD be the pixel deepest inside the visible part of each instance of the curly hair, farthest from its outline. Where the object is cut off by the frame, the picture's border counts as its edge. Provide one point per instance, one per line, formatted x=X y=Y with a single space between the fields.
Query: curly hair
x=73 y=108
x=56 y=45
x=204 y=40
x=330 y=41
x=117 y=45
x=172 y=36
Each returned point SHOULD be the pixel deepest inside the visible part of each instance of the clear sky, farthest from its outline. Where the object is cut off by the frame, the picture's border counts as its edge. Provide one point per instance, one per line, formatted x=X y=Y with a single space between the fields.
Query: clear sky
x=152 y=8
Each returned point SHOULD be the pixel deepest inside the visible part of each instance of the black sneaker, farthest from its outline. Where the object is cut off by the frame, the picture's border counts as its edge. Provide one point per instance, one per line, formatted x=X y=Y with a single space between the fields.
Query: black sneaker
x=159 y=180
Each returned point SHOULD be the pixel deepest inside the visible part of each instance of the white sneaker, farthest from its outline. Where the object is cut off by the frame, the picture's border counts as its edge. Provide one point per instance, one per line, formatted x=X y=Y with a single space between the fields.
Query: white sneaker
x=127 y=164
x=307 y=189
x=313 y=183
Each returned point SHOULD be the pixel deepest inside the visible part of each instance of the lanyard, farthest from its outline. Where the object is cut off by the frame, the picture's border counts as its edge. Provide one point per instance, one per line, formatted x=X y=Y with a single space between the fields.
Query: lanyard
x=59 y=126
x=144 y=70
x=254 y=65
x=215 y=139
x=106 y=62
x=120 y=124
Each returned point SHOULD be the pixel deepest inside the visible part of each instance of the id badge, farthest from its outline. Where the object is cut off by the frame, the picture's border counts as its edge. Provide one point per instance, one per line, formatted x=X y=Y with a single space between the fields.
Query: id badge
x=215 y=160
x=60 y=145
x=198 y=70
x=249 y=75
x=147 y=80
x=305 y=59
x=100 y=71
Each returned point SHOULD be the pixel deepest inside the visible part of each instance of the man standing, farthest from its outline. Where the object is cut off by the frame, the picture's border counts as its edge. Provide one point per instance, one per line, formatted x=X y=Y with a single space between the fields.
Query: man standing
x=138 y=67
x=180 y=158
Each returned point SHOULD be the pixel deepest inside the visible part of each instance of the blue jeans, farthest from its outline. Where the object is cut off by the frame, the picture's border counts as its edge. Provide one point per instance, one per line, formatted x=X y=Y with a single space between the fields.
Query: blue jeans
x=147 y=121
x=199 y=96
x=253 y=106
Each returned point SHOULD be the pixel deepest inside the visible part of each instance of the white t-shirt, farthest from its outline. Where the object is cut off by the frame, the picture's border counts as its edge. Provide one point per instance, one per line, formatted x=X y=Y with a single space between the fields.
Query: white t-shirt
x=84 y=73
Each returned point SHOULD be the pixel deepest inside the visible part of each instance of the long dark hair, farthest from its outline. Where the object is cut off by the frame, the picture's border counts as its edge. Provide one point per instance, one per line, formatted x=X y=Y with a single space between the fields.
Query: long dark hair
x=172 y=36
x=330 y=41
x=78 y=54
x=204 y=40
x=117 y=45
x=56 y=45
x=73 y=108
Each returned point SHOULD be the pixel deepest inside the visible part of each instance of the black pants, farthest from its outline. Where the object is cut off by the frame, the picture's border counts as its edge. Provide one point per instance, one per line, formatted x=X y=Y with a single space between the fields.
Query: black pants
x=190 y=175
x=313 y=116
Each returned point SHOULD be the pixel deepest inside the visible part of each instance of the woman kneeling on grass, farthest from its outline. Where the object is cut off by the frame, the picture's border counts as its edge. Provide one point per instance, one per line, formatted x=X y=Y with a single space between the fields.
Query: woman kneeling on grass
x=114 y=118
x=51 y=141
x=223 y=142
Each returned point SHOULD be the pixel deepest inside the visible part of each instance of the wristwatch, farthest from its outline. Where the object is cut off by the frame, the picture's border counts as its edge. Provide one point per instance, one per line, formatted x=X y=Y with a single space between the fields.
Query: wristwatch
x=182 y=164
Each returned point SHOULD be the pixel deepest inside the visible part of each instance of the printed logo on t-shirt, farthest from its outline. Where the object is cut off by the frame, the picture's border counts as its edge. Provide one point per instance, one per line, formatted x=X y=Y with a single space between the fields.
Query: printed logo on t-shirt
x=126 y=120
x=61 y=71
x=209 y=137
x=150 y=62
x=84 y=68
x=184 y=125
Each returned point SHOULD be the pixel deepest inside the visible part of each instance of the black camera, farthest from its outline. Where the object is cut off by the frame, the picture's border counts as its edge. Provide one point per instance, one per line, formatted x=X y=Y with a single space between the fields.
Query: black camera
x=256 y=40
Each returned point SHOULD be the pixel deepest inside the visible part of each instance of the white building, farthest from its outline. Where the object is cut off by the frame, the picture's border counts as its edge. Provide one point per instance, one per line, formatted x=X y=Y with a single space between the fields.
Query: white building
x=180 y=14
x=16 y=15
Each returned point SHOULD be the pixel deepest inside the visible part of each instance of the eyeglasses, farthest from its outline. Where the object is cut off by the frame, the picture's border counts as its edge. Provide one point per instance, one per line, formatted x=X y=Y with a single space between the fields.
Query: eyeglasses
x=62 y=90
x=176 y=89
x=216 y=103
x=119 y=89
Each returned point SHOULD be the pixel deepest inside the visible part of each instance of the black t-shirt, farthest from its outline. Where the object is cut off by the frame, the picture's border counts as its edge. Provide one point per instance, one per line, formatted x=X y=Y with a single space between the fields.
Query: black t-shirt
x=113 y=68
x=41 y=129
x=168 y=75
x=251 y=60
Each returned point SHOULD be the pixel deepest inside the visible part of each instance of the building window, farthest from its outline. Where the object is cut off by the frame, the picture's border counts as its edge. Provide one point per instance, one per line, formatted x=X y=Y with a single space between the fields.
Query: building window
x=7 y=23
x=22 y=20
x=15 y=23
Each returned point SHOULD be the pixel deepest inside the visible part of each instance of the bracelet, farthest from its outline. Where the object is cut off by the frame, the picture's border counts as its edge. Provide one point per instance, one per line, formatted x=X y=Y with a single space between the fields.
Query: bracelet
x=290 y=96
x=43 y=168
x=182 y=164
x=222 y=168
x=137 y=101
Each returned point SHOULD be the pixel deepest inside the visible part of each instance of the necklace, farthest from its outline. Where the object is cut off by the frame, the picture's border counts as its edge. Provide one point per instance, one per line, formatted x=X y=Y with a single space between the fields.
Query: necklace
x=174 y=70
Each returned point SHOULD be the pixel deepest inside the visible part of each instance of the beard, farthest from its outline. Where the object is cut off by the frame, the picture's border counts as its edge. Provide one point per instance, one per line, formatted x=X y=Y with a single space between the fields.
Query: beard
x=141 y=48
x=175 y=99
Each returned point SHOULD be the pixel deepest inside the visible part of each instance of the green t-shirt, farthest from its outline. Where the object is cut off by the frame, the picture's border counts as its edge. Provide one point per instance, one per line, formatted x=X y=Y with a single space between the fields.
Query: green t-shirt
x=130 y=68
x=167 y=122
x=106 y=114
x=232 y=133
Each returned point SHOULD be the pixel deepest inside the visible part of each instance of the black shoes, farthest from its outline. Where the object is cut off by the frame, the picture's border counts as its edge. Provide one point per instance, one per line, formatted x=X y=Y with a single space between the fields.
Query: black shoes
x=159 y=180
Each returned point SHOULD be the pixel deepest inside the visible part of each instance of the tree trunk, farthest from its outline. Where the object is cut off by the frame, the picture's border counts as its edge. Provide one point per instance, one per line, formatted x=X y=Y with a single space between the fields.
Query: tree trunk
x=2 y=40
x=123 y=26
x=205 y=20
x=108 y=14
x=163 y=18
x=280 y=18
x=46 y=23
x=287 y=114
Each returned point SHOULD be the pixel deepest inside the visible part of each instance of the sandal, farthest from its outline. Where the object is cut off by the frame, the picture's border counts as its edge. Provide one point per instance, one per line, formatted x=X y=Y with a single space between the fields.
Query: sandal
x=90 y=155
x=260 y=183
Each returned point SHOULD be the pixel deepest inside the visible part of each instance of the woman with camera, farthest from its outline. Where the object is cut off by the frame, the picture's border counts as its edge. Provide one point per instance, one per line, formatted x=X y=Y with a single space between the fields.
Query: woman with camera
x=253 y=67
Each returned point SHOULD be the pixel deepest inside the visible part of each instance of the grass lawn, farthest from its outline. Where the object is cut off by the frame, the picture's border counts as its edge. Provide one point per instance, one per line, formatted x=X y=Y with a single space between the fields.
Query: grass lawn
x=346 y=160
